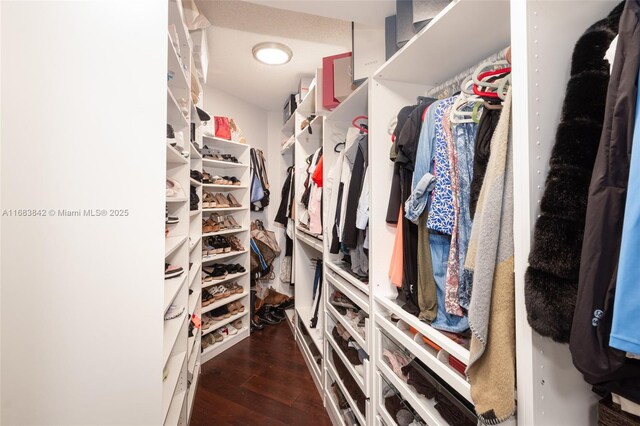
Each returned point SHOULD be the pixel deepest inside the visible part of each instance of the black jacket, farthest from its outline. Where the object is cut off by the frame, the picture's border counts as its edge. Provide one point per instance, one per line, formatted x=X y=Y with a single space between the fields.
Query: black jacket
x=551 y=281
x=607 y=368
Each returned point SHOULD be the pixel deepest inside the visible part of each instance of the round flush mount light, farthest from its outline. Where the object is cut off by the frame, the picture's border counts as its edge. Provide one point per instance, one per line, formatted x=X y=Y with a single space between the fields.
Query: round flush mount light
x=272 y=53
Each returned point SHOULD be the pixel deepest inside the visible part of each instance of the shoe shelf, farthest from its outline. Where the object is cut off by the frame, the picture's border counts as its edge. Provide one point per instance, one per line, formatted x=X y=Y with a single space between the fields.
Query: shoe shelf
x=194 y=301
x=217 y=324
x=312 y=242
x=218 y=164
x=223 y=209
x=225 y=232
x=229 y=277
x=316 y=127
x=213 y=142
x=193 y=244
x=175 y=410
x=175 y=200
x=347 y=325
x=223 y=188
x=193 y=274
x=337 y=272
x=332 y=345
x=225 y=301
x=172 y=329
x=171 y=288
x=289 y=126
x=194 y=343
x=174 y=157
x=179 y=82
x=348 y=290
x=175 y=116
x=333 y=375
x=192 y=392
x=217 y=257
x=191 y=363
x=172 y=243
x=195 y=155
x=194 y=182
x=174 y=367
x=219 y=347
x=426 y=354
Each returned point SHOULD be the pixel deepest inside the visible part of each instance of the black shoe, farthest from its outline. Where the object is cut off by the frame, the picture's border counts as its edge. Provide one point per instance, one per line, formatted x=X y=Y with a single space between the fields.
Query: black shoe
x=267 y=318
x=277 y=313
x=256 y=325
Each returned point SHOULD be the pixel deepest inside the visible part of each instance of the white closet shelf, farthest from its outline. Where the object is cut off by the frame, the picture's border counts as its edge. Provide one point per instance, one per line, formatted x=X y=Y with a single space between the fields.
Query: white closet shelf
x=354 y=407
x=171 y=332
x=345 y=288
x=225 y=301
x=305 y=314
x=179 y=83
x=172 y=243
x=192 y=390
x=213 y=142
x=193 y=273
x=219 y=347
x=195 y=212
x=216 y=257
x=309 y=233
x=291 y=318
x=194 y=342
x=335 y=269
x=347 y=325
x=223 y=209
x=175 y=367
x=175 y=409
x=308 y=104
x=225 y=232
x=171 y=288
x=174 y=157
x=176 y=200
x=224 y=188
x=193 y=243
x=218 y=164
x=194 y=300
x=195 y=118
x=355 y=104
x=175 y=116
x=288 y=127
x=227 y=321
x=423 y=406
x=195 y=155
x=314 y=243
x=350 y=367
x=228 y=278
x=316 y=128
x=427 y=355
x=192 y=360
x=414 y=62
x=426 y=330
x=194 y=182
x=310 y=361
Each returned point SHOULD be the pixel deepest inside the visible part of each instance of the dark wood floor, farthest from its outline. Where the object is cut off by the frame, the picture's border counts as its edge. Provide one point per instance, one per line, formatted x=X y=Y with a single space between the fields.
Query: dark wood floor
x=260 y=381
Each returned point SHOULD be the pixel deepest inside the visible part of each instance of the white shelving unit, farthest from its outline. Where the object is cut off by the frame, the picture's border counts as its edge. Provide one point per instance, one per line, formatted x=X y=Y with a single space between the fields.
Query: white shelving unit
x=241 y=214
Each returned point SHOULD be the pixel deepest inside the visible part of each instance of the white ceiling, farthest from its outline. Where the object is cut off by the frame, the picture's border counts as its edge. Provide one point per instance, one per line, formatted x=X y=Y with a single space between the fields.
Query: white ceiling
x=237 y=26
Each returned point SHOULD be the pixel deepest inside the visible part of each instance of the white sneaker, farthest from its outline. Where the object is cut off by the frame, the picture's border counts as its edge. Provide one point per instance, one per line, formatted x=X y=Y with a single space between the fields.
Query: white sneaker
x=174 y=311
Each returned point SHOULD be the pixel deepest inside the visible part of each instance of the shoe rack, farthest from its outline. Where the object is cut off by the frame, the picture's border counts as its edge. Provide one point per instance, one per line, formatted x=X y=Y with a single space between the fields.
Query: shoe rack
x=175 y=386
x=241 y=171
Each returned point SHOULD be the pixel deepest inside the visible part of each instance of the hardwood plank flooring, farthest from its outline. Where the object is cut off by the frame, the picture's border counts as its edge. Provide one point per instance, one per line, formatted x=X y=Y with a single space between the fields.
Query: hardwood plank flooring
x=263 y=380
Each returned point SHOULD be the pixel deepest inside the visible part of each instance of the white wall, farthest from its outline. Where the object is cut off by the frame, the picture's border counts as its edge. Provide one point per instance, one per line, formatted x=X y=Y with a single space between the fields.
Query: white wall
x=83 y=113
x=262 y=130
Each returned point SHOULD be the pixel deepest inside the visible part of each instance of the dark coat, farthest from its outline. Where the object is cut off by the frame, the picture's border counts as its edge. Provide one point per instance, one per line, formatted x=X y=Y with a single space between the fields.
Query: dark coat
x=551 y=281
x=607 y=368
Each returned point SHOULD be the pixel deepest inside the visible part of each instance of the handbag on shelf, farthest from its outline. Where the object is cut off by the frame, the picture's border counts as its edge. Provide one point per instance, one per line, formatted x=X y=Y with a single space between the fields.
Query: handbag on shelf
x=237 y=135
x=259 y=233
x=223 y=129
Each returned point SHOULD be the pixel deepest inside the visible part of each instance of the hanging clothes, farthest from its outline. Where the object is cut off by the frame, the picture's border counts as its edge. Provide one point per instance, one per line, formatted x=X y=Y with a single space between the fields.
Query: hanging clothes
x=486 y=127
x=350 y=231
x=551 y=280
x=602 y=366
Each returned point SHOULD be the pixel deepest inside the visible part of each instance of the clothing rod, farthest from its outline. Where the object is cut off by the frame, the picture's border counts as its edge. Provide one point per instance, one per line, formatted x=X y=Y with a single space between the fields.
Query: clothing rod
x=452 y=85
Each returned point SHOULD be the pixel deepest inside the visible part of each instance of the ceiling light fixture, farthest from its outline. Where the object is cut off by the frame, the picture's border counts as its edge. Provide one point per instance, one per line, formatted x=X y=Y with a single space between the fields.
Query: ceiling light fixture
x=272 y=53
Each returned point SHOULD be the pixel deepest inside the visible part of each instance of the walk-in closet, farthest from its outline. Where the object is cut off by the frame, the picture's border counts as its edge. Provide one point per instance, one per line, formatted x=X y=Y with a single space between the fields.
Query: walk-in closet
x=368 y=213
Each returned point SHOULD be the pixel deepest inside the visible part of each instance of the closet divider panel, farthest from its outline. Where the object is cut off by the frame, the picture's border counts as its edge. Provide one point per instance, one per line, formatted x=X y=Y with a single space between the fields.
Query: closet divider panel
x=550 y=389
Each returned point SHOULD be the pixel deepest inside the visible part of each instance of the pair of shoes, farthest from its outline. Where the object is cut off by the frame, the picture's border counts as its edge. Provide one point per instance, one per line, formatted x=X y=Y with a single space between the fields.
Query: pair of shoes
x=224 y=222
x=266 y=316
x=210 y=225
x=172 y=271
x=174 y=311
x=256 y=324
x=194 y=199
x=214 y=272
x=170 y=220
x=217 y=244
x=173 y=189
x=196 y=175
x=235 y=308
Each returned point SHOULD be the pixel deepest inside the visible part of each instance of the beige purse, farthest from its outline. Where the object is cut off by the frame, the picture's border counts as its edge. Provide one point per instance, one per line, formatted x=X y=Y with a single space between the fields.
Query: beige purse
x=237 y=135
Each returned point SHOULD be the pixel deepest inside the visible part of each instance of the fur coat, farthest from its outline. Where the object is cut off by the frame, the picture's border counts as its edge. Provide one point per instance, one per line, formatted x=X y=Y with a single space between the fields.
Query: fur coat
x=551 y=281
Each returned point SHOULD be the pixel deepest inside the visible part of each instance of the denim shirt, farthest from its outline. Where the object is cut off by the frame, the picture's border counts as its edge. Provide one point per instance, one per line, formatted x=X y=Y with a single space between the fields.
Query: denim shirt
x=423 y=180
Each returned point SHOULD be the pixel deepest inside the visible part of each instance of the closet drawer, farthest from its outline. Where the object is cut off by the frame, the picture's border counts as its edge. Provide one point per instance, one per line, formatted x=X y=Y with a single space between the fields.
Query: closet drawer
x=348 y=289
x=391 y=399
x=344 y=278
x=348 y=320
x=426 y=389
x=334 y=377
x=427 y=354
x=334 y=348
